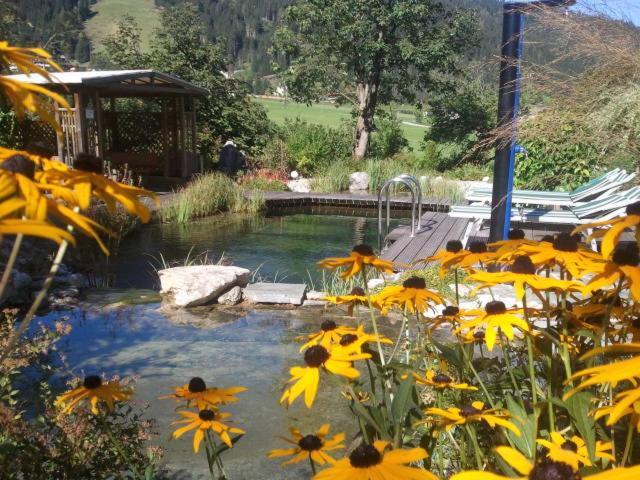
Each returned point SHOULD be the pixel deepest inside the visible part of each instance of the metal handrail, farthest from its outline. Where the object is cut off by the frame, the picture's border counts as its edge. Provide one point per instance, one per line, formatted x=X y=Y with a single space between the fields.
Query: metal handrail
x=409 y=182
x=416 y=182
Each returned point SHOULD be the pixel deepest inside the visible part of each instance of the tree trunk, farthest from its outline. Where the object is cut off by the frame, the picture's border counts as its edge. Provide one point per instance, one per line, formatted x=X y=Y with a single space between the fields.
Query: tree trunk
x=367 y=98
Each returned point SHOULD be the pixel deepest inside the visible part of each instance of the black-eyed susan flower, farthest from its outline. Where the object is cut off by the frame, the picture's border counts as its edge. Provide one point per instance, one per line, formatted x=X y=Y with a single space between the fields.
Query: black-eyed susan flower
x=412 y=296
x=375 y=462
x=313 y=446
x=450 y=315
x=477 y=337
x=202 y=421
x=505 y=249
x=573 y=451
x=523 y=274
x=493 y=319
x=353 y=342
x=476 y=254
x=94 y=390
x=306 y=379
x=197 y=392
x=622 y=407
x=453 y=247
x=441 y=381
x=617 y=226
x=565 y=251
x=360 y=256
x=545 y=469
x=329 y=334
x=623 y=266
x=475 y=412
x=354 y=298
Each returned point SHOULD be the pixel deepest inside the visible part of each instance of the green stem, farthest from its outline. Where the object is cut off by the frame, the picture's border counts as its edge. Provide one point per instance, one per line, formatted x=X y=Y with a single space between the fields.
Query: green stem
x=509 y=365
x=532 y=375
x=118 y=446
x=374 y=324
x=628 y=444
x=476 y=448
x=13 y=256
x=313 y=465
x=455 y=272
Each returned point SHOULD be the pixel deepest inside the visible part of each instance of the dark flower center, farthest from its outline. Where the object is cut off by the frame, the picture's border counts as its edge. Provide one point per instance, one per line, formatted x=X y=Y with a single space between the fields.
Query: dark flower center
x=570 y=445
x=549 y=470
x=414 y=282
x=565 y=243
x=19 y=164
x=310 y=443
x=636 y=322
x=197 y=385
x=468 y=411
x=441 y=378
x=495 y=308
x=364 y=250
x=365 y=456
x=206 y=415
x=547 y=238
x=633 y=209
x=523 y=265
x=516 y=234
x=91 y=382
x=454 y=246
x=626 y=255
x=357 y=291
x=328 y=325
x=478 y=247
x=316 y=356
x=478 y=334
x=450 y=311
x=348 y=339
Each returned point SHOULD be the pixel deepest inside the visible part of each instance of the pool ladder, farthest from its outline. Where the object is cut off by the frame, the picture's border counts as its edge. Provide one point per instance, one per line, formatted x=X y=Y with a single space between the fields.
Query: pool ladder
x=413 y=185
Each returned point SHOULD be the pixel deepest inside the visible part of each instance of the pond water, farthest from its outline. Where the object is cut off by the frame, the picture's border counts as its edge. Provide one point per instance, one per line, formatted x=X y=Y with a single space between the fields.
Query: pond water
x=255 y=350
x=279 y=247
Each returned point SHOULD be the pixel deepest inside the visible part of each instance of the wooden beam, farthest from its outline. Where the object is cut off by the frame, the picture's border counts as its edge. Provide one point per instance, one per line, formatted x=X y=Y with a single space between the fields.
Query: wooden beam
x=99 y=125
x=164 y=125
x=81 y=123
x=183 y=153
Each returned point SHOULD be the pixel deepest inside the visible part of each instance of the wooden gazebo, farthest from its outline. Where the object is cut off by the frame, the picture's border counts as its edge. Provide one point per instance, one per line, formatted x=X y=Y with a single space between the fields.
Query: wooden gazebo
x=142 y=118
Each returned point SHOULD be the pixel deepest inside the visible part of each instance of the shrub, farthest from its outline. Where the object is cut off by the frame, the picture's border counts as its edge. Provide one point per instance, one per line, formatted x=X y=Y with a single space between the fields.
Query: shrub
x=388 y=139
x=207 y=195
x=335 y=178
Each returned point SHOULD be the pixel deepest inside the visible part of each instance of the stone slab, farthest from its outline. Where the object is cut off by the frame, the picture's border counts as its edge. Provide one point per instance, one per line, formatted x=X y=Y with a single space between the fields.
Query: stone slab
x=279 y=293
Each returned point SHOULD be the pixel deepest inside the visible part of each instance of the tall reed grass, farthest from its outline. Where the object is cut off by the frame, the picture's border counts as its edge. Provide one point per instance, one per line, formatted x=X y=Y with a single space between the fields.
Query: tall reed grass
x=206 y=195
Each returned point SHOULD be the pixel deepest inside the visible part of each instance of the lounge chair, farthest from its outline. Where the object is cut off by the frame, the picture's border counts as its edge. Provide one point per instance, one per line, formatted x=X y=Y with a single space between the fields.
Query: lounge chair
x=599 y=187
x=598 y=209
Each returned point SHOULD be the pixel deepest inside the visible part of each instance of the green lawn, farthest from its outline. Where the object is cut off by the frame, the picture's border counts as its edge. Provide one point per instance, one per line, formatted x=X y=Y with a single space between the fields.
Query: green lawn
x=331 y=116
x=109 y=12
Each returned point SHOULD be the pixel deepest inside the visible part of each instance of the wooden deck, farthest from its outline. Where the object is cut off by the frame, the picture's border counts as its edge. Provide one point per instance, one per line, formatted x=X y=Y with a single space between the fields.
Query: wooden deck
x=436 y=230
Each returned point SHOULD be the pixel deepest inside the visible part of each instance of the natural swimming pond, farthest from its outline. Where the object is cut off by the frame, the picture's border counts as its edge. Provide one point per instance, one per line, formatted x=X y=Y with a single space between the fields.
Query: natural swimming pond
x=280 y=247
x=255 y=350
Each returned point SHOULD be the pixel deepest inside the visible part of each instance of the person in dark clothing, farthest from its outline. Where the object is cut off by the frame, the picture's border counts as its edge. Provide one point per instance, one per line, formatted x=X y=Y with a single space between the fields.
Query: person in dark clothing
x=231 y=159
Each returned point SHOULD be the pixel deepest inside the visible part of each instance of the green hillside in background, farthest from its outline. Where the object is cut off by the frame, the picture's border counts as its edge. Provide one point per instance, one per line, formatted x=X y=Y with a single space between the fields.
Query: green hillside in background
x=107 y=13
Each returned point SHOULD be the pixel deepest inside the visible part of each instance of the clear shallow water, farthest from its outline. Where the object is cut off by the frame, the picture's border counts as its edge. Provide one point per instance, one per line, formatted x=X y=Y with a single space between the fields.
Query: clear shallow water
x=255 y=351
x=283 y=248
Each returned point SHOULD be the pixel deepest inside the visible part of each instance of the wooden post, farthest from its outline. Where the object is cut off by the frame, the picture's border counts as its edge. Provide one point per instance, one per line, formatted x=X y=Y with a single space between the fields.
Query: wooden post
x=81 y=122
x=59 y=136
x=99 y=125
x=164 y=120
x=183 y=154
x=193 y=135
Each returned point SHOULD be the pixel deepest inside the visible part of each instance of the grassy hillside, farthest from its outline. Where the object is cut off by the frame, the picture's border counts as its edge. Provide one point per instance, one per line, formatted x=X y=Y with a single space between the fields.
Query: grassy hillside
x=107 y=13
x=329 y=115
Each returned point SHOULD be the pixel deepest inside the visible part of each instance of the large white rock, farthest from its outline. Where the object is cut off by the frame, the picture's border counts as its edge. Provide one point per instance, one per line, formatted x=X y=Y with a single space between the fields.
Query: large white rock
x=359 y=181
x=232 y=297
x=280 y=293
x=200 y=284
x=301 y=185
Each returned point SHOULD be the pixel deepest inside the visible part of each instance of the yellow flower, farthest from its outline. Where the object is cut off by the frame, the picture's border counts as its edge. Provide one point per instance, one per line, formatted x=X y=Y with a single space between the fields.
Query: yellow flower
x=573 y=451
x=494 y=318
x=505 y=249
x=441 y=381
x=306 y=379
x=545 y=469
x=476 y=412
x=566 y=252
x=617 y=226
x=412 y=296
x=355 y=297
x=625 y=403
x=196 y=391
x=94 y=390
x=353 y=342
x=622 y=267
x=314 y=446
x=450 y=316
x=523 y=273
x=477 y=254
x=453 y=248
x=201 y=422
x=360 y=255
x=330 y=334
x=372 y=462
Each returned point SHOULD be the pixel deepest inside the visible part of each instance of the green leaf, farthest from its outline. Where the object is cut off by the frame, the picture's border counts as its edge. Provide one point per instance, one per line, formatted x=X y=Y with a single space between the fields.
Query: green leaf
x=578 y=407
x=527 y=425
x=402 y=400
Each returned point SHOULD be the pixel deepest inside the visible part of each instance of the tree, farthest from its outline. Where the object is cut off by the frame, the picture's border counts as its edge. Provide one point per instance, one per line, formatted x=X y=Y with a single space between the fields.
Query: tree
x=122 y=49
x=370 y=52
x=226 y=113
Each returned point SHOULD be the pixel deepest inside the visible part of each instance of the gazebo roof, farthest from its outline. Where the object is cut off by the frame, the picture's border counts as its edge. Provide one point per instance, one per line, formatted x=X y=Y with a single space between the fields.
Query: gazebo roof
x=115 y=83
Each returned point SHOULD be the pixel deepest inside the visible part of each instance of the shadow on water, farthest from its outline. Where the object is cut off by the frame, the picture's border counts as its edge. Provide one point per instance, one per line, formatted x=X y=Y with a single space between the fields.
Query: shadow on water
x=255 y=350
x=282 y=247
